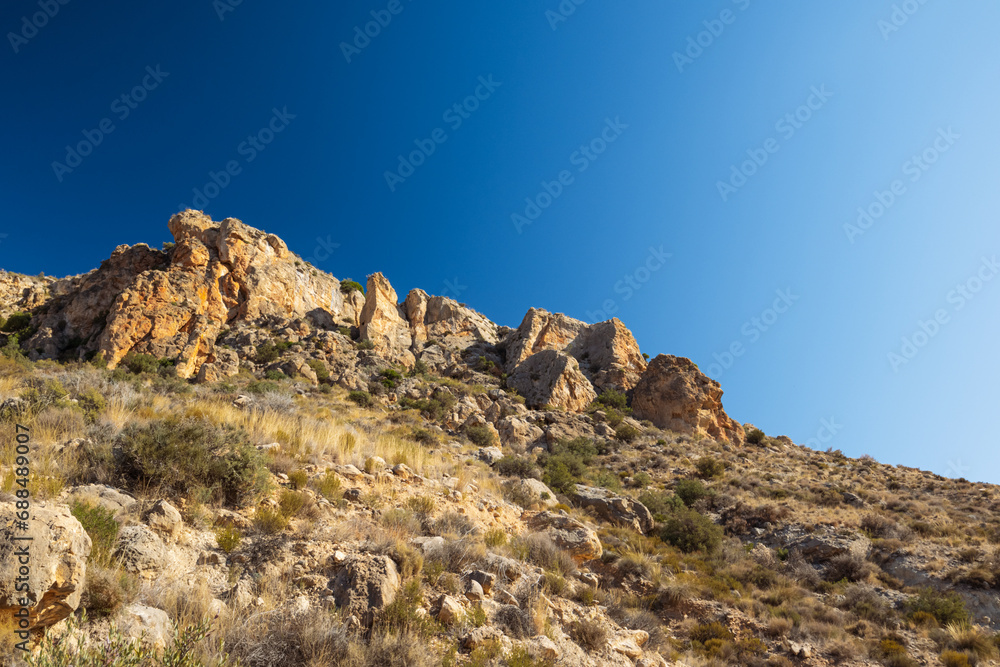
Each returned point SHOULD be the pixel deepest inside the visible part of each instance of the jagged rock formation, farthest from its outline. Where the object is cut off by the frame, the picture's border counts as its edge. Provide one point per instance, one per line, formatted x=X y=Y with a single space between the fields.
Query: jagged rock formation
x=202 y=304
x=675 y=395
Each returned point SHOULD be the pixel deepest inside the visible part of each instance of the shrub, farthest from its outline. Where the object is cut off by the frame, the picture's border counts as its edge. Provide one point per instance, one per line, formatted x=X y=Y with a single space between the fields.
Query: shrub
x=141 y=363
x=183 y=455
x=320 y=369
x=709 y=467
x=102 y=528
x=274 y=375
x=481 y=436
x=362 y=398
x=298 y=479
x=270 y=521
x=263 y=387
x=590 y=635
x=756 y=437
x=16 y=323
x=690 y=491
x=567 y=463
x=328 y=486
x=291 y=503
x=106 y=590
x=348 y=286
x=945 y=606
x=612 y=398
x=955 y=659
x=540 y=550
x=626 y=433
x=849 y=566
x=690 y=531
x=92 y=403
x=661 y=504
x=515 y=466
x=228 y=539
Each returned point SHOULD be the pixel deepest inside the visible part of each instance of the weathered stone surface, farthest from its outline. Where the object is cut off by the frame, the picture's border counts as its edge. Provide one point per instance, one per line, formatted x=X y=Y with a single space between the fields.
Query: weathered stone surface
x=219 y=365
x=474 y=590
x=111 y=499
x=534 y=490
x=518 y=433
x=366 y=584
x=451 y=611
x=619 y=510
x=544 y=649
x=540 y=331
x=174 y=304
x=484 y=579
x=164 y=518
x=141 y=550
x=489 y=455
x=383 y=321
x=149 y=625
x=58 y=555
x=446 y=321
x=569 y=534
x=552 y=378
x=675 y=395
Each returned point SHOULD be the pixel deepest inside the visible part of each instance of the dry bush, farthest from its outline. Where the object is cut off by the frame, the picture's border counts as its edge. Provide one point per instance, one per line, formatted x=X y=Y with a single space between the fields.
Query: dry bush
x=540 y=550
x=106 y=590
x=590 y=635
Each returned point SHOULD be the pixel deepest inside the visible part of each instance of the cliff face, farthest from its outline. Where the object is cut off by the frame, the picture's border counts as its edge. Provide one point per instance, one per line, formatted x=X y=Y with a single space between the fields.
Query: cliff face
x=225 y=278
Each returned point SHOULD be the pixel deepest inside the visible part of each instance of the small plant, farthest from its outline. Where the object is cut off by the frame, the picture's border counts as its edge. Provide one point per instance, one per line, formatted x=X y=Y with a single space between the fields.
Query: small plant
x=348 y=286
x=320 y=369
x=709 y=467
x=102 y=528
x=328 y=486
x=270 y=521
x=481 y=436
x=495 y=537
x=361 y=398
x=298 y=479
x=945 y=606
x=274 y=375
x=756 y=437
x=515 y=466
x=690 y=491
x=590 y=635
x=228 y=539
x=291 y=503
x=690 y=531
x=626 y=432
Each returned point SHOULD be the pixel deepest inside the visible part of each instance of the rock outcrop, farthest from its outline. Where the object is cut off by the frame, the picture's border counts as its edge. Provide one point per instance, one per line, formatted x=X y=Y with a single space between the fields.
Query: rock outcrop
x=173 y=304
x=366 y=584
x=573 y=536
x=619 y=510
x=57 y=562
x=383 y=321
x=552 y=378
x=675 y=395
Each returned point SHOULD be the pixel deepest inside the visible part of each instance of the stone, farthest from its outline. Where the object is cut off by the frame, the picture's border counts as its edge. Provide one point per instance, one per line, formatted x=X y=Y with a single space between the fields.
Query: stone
x=489 y=455
x=58 y=553
x=484 y=579
x=619 y=510
x=552 y=378
x=451 y=611
x=230 y=519
x=533 y=490
x=517 y=433
x=352 y=495
x=164 y=518
x=629 y=643
x=480 y=637
x=383 y=322
x=652 y=659
x=113 y=500
x=148 y=625
x=209 y=558
x=374 y=464
x=402 y=471
x=350 y=472
x=366 y=584
x=219 y=364
x=568 y=534
x=446 y=321
x=675 y=395
x=544 y=649
x=140 y=550
x=474 y=591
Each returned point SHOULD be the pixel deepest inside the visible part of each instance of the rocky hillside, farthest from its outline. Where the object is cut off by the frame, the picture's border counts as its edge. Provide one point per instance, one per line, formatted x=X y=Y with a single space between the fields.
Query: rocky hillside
x=236 y=458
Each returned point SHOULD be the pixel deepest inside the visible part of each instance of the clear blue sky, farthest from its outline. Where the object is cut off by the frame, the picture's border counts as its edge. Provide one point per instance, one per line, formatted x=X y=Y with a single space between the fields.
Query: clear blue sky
x=889 y=95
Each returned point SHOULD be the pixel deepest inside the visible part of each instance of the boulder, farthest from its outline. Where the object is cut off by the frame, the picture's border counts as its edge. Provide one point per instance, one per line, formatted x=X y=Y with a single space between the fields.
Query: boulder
x=544 y=649
x=111 y=499
x=552 y=378
x=568 y=534
x=58 y=552
x=619 y=510
x=366 y=584
x=675 y=395
x=164 y=518
x=149 y=625
x=219 y=364
x=450 y=610
x=484 y=579
x=140 y=550
x=489 y=455
x=517 y=433
x=534 y=491
x=474 y=590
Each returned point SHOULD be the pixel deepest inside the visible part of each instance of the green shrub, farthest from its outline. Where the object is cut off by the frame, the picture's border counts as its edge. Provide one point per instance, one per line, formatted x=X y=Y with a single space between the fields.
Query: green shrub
x=263 y=387
x=362 y=398
x=16 y=323
x=274 y=375
x=660 y=504
x=955 y=659
x=101 y=526
x=705 y=632
x=328 y=486
x=106 y=590
x=267 y=352
x=92 y=403
x=320 y=369
x=291 y=503
x=141 y=363
x=481 y=436
x=756 y=437
x=228 y=539
x=690 y=491
x=945 y=606
x=709 y=467
x=612 y=398
x=690 y=531
x=626 y=433
x=515 y=466
x=348 y=286
x=298 y=479
x=185 y=455
x=435 y=407
x=270 y=521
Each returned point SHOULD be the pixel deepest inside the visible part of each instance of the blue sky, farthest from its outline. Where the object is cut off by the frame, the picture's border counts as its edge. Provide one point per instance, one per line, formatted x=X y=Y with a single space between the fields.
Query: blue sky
x=833 y=101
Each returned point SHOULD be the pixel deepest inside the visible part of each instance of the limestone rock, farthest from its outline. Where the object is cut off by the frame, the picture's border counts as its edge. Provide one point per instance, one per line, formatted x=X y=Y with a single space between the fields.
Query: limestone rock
x=446 y=321
x=149 y=625
x=518 y=433
x=489 y=455
x=568 y=534
x=58 y=555
x=544 y=649
x=484 y=579
x=383 y=322
x=141 y=551
x=111 y=499
x=552 y=378
x=474 y=590
x=164 y=518
x=619 y=510
x=451 y=611
x=365 y=585
x=675 y=395
x=534 y=490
